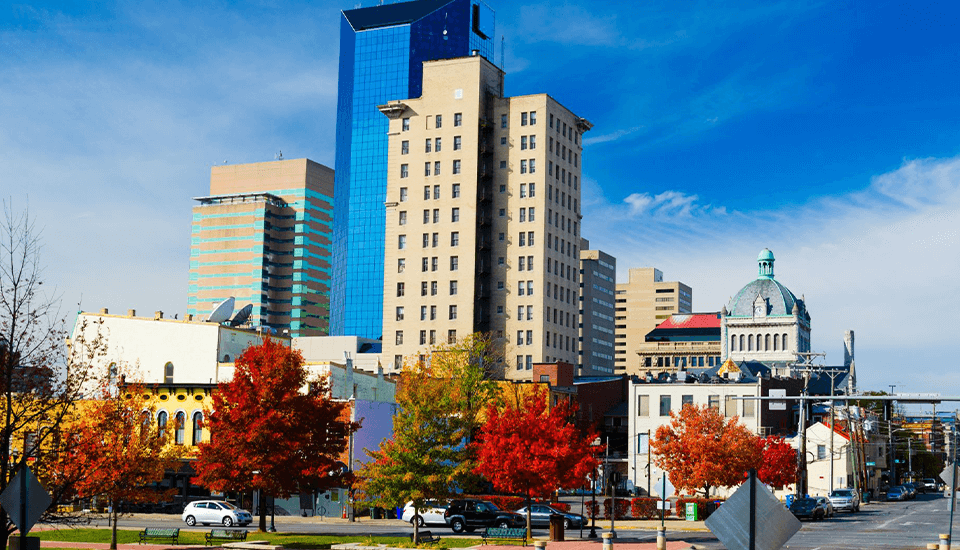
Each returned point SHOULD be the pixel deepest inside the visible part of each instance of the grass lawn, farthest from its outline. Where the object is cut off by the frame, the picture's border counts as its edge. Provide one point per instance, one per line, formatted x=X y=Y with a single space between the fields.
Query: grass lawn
x=297 y=541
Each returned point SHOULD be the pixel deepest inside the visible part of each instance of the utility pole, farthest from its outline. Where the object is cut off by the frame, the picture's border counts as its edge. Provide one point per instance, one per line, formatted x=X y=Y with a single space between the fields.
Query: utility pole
x=805 y=368
x=888 y=409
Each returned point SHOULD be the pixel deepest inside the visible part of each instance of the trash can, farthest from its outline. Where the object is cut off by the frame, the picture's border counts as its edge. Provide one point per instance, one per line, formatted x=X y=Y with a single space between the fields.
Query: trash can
x=556 y=527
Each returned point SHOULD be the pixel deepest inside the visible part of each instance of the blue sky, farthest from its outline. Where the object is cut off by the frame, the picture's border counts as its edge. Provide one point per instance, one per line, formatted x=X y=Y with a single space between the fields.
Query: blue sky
x=826 y=131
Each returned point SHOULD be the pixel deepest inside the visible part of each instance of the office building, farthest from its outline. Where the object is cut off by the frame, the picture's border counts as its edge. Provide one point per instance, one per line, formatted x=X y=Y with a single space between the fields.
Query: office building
x=382 y=50
x=598 y=272
x=680 y=342
x=482 y=218
x=263 y=236
x=643 y=302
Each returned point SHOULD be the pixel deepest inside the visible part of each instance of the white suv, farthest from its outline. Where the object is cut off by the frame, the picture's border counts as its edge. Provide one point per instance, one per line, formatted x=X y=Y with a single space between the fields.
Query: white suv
x=206 y=512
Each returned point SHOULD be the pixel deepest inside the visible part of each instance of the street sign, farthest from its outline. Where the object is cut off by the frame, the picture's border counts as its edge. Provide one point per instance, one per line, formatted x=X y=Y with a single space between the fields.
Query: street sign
x=731 y=522
x=663 y=488
x=778 y=405
x=947 y=475
x=38 y=499
x=871 y=463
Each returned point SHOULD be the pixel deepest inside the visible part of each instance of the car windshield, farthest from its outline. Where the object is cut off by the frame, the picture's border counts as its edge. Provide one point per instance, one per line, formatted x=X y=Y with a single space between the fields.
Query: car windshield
x=843 y=493
x=487 y=507
x=804 y=502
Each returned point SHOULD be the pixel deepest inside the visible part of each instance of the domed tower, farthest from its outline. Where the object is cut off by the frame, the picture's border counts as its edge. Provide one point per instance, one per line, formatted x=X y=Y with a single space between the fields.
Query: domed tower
x=765 y=321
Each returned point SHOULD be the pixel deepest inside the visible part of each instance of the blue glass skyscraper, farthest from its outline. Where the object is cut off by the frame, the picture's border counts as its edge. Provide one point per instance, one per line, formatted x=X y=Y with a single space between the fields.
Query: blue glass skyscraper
x=382 y=50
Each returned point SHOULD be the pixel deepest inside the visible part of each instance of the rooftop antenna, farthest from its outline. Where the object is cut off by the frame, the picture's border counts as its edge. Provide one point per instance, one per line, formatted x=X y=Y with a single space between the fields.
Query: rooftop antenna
x=502 y=42
x=278 y=156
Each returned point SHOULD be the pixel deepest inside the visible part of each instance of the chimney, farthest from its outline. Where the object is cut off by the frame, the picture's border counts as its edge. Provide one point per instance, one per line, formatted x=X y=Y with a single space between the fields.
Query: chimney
x=104 y=311
x=847 y=348
x=157 y=315
x=189 y=317
x=131 y=313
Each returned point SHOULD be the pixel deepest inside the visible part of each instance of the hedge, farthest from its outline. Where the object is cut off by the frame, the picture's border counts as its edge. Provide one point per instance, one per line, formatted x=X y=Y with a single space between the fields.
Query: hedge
x=701 y=506
x=623 y=508
x=644 y=508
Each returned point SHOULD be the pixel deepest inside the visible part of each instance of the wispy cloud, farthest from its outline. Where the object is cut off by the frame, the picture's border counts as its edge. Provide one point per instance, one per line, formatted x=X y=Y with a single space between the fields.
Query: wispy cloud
x=613 y=136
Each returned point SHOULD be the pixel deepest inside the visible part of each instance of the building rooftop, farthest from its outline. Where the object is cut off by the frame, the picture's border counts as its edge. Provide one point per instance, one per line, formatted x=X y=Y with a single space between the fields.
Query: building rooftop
x=391 y=14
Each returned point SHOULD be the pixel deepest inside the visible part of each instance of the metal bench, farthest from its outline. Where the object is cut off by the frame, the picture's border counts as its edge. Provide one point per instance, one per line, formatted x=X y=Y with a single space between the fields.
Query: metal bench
x=225 y=535
x=424 y=537
x=154 y=533
x=500 y=533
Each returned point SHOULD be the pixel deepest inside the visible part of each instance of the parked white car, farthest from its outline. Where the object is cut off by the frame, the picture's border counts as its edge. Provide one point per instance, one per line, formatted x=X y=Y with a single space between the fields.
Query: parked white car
x=432 y=514
x=206 y=512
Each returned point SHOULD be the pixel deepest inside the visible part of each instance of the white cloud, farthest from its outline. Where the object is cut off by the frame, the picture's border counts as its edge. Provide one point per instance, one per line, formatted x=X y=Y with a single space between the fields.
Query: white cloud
x=882 y=261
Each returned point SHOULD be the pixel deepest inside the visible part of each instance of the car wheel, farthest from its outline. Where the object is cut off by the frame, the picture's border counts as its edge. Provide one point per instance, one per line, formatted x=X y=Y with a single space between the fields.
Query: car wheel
x=191 y=521
x=418 y=519
x=504 y=524
x=567 y=524
x=457 y=525
x=228 y=521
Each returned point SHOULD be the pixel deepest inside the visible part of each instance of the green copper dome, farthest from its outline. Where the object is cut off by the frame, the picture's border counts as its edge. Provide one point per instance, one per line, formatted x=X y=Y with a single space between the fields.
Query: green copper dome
x=779 y=299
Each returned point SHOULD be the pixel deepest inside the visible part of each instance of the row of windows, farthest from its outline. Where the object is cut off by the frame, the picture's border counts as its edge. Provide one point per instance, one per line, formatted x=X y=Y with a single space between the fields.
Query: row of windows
x=179 y=427
x=560 y=293
x=454 y=193
x=526 y=164
x=426 y=337
x=562 y=222
x=562 y=318
x=425 y=286
x=682 y=362
x=562 y=176
x=528 y=214
x=521 y=361
x=762 y=342
x=525 y=288
x=559 y=341
x=571 y=135
x=562 y=198
x=523 y=190
x=729 y=407
x=435 y=120
x=524 y=313
x=431 y=316
x=433 y=263
x=561 y=151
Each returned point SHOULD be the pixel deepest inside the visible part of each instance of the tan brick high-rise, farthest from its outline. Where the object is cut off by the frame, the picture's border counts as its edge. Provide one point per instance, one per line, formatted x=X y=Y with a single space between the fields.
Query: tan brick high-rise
x=643 y=302
x=483 y=218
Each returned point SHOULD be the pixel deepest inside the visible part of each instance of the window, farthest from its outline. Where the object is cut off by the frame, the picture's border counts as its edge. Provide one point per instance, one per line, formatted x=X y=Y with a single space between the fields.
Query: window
x=529 y=343
x=452 y=336
x=455 y=215
x=530 y=263
x=406 y=124
x=529 y=313
x=520 y=310
x=529 y=238
x=426 y=237
x=520 y=343
x=456 y=191
x=426 y=171
x=521 y=289
x=436 y=215
x=423 y=288
x=522 y=263
x=399 y=338
x=162 y=422
x=530 y=288
x=403 y=194
x=533 y=142
x=427 y=147
x=776 y=342
x=433 y=288
x=433 y=313
x=551 y=121
x=456 y=167
x=423 y=337
x=729 y=406
x=454 y=263
x=400 y=289
x=530 y=211
x=436 y=145
x=664 y=405
x=523 y=239
x=500 y=260
x=748 y=407
x=168 y=373
x=523 y=143
x=643 y=403
x=523 y=215
x=533 y=118
x=439 y=120
x=455 y=238
x=401 y=265
x=523 y=119
x=503 y=140
x=713 y=401
x=686 y=400
x=436 y=191
x=403 y=217
x=503 y=165
x=503 y=121
x=423 y=313
x=197 y=432
x=436 y=168
x=523 y=166
x=425 y=264
x=179 y=426
x=821 y=452
x=404 y=147
x=453 y=288
x=501 y=237
x=523 y=190
x=400 y=313
x=457 y=119
x=533 y=166
x=434 y=262
x=457 y=143
x=453 y=312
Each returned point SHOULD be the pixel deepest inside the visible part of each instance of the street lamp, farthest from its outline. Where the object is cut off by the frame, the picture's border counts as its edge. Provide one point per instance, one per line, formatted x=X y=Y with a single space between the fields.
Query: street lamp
x=593 y=506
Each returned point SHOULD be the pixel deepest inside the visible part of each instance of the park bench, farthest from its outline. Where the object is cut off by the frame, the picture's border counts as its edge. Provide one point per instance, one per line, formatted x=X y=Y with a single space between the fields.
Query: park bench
x=154 y=533
x=501 y=533
x=424 y=537
x=225 y=535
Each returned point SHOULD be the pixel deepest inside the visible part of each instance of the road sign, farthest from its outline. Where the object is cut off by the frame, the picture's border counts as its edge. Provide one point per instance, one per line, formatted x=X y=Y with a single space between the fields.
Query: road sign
x=947 y=475
x=731 y=522
x=663 y=488
x=778 y=405
x=38 y=499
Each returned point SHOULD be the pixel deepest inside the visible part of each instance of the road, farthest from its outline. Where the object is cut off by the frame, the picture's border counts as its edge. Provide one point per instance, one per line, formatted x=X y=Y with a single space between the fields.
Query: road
x=883 y=525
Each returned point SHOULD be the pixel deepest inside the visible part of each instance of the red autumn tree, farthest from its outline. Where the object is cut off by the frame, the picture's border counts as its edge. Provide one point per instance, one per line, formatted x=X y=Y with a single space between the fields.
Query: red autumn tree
x=116 y=451
x=267 y=433
x=778 y=465
x=531 y=449
x=701 y=449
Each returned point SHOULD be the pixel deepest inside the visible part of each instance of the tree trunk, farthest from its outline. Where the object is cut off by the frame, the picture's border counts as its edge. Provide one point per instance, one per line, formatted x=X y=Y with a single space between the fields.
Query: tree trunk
x=113 y=532
x=416 y=525
x=529 y=530
x=263 y=518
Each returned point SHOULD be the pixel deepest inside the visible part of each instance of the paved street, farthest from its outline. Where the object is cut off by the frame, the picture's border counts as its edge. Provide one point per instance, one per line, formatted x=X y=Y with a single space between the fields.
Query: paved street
x=884 y=525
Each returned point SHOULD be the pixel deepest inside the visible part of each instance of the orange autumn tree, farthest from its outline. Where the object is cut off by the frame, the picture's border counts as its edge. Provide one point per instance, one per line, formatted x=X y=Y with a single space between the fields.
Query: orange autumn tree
x=116 y=451
x=267 y=433
x=528 y=448
x=778 y=466
x=701 y=449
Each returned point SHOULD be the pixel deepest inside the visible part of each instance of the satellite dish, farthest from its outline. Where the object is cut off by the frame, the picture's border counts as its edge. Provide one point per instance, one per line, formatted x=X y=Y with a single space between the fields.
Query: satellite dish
x=222 y=312
x=242 y=315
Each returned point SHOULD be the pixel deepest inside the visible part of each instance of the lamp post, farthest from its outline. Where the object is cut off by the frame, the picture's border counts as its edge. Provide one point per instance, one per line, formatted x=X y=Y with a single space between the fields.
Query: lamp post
x=593 y=504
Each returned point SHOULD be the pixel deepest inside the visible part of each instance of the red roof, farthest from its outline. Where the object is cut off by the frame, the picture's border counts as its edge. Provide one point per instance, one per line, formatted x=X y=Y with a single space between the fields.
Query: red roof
x=692 y=320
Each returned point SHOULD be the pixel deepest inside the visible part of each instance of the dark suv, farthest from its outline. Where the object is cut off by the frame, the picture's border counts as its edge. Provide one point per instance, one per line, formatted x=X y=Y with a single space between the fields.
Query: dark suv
x=469 y=514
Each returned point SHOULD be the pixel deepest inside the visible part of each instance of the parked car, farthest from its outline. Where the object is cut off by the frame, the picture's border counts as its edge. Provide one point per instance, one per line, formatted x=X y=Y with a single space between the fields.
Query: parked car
x=827 y=506
x=911 y=490
x=540 y=516
x=897 y=493
x=206 y=512
x=807 y=508
x=431 y=513
x=930 y=485
x=845 y=500
x=469 y=514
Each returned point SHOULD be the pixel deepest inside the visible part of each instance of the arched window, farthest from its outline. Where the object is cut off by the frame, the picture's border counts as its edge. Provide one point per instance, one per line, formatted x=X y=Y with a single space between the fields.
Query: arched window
x=168 y=373
x=197 y=427
x=741 y=343
x=776 y=342
x=179 y=427
x=766 y=342
x=162 y=423
x=749 y=342
x=783 y=340
x=733 y=343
